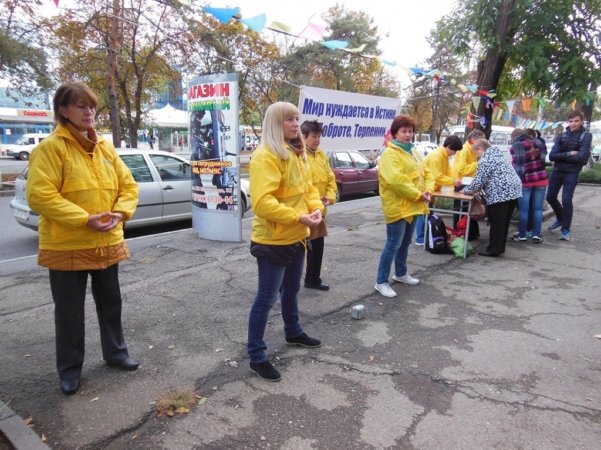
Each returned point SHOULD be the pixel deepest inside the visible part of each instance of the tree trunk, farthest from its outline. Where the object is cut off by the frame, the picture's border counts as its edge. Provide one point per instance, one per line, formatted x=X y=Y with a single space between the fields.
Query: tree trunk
x=491 y=68
x=110 y=76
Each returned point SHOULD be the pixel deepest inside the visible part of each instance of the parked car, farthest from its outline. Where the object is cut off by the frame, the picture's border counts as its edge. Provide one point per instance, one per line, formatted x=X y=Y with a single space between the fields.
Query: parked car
x=596 y=152
x=24 y=145
x=354 y=173
x=425 y=147
x=165 y=190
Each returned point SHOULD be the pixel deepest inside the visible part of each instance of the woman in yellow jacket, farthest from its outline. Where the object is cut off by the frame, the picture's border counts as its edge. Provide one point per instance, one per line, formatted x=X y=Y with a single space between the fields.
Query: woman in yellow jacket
x=325 y=182
x=405 y=186
x=465 y=164
x=286 y=205
x=438 y=163
x=83 y=192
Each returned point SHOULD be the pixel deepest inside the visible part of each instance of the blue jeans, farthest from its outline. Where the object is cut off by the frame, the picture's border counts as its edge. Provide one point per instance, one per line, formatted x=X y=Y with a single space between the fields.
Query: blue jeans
x=564 y=210
x=532 y=197
x=275 y=279
x=398 y=239
x=420 y=223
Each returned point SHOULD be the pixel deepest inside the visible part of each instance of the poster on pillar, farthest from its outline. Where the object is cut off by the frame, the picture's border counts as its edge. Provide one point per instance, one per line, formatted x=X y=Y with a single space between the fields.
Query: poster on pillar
x=216 y=207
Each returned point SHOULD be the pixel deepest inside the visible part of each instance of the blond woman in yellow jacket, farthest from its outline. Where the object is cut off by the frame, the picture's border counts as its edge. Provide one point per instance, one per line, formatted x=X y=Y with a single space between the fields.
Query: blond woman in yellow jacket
x=286 y=205
x=325 y=182
x=83 y=192
x=438 y=163
x=465 y=164
x=405 y=186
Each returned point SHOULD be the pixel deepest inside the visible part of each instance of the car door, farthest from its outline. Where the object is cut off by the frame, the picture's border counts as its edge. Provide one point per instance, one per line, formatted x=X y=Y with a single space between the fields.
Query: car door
x=345 y=172
x=367 y=174
x=175 y=184
x=150 y=196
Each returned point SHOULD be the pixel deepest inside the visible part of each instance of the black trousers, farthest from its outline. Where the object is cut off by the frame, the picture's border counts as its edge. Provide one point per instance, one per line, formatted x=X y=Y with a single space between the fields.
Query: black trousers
x=314 y=260
x=69 y=293
x=499 y=215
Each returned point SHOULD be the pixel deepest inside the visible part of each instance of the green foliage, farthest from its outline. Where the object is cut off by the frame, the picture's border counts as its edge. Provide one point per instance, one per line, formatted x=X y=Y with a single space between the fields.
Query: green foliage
x=592 y=175
x=22 y=59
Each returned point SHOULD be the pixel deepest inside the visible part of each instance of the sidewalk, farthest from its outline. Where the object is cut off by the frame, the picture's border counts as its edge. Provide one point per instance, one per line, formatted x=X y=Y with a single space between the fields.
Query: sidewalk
x=483 y=353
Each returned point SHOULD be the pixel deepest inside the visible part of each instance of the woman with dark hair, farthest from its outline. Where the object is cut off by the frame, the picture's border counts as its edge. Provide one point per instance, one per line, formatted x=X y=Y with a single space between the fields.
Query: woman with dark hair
x=83 y=193
x=286 y=205
x=438 y=163
x=325 y=182
x=405 y=186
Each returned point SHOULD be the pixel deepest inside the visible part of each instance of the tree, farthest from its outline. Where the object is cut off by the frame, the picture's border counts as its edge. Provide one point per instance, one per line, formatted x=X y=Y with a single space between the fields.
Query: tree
x=22 y=60
x=543 y=47
x=315 y=65
x=125 y=57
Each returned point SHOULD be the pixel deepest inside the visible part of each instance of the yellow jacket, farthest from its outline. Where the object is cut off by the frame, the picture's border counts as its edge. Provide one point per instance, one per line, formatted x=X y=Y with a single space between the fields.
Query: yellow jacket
x=402 y=179
x=65 y=185
x=466 y=162
x=438 y=163
x=280 y=191
x=321 y=173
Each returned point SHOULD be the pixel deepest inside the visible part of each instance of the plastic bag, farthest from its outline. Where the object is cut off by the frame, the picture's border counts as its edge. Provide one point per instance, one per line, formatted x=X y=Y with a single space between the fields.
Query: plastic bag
x=457 y=247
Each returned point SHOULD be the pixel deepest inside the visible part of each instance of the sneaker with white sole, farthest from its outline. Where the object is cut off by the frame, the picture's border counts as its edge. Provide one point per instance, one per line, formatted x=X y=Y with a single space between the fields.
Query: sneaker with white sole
x=565 y=236
x=385 y=289
x=537 y=239
x=554 y=226
x=406 y=279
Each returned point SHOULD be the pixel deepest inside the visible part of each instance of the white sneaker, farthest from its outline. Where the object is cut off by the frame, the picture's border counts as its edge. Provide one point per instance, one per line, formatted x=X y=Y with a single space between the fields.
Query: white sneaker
x=385 y=289
x=406 y=279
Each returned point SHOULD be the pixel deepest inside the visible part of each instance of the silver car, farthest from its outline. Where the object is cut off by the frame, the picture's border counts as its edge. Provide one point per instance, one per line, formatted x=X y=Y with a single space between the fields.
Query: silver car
x=165 y=190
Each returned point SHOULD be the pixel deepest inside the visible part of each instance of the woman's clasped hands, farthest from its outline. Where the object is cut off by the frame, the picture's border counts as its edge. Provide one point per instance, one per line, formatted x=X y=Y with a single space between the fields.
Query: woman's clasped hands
x=104 y=221
x=311 y=220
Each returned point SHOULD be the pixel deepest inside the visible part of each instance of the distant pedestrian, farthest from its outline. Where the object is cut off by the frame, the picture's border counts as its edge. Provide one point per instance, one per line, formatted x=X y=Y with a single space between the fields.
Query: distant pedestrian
x=286 y=205
x=465 y=165
x=325 y=182
x=570 y=153
x=83 y=192
x=497 y=178
x=444 y=176
x=529 y=163
x=405 y=187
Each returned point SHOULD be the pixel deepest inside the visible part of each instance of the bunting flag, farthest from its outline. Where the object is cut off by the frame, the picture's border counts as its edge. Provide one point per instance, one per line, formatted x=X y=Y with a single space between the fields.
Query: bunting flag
x=526 y=104
x=356 y=49
x=56 y=3
x=510 y=105
x=476 y=102
x=256 y=23
x=334 y=45
x=391 y=63
x=313 y=32
x=223 y=15
x=280 y=27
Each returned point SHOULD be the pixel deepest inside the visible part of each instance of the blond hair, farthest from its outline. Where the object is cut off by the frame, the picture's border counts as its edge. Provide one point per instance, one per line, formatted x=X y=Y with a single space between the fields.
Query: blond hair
x=272 y=134
x=481 y=144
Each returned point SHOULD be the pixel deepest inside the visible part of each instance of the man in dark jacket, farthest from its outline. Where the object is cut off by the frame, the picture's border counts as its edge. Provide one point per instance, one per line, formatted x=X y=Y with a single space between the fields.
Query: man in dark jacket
x=569 y=154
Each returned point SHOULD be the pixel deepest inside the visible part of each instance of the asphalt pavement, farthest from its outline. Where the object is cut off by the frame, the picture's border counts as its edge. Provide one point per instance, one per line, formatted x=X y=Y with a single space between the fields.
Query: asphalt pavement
x=495 y=353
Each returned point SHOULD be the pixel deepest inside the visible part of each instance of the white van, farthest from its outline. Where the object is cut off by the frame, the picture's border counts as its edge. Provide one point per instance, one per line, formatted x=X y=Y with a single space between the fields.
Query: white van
x=24 y=145
x=500 y=136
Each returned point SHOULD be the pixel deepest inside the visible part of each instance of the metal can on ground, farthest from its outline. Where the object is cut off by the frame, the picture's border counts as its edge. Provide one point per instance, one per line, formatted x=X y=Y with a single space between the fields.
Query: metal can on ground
x=358 y=312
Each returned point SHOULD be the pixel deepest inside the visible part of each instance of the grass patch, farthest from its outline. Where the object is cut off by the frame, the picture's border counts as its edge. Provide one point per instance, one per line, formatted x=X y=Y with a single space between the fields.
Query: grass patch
x=591 y=175
x=178 y=402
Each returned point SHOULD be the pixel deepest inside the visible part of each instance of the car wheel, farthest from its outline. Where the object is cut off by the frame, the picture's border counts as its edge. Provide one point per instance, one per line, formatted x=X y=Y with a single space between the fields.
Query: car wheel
x=23 y=156
x=377 y=190
x=338 y=192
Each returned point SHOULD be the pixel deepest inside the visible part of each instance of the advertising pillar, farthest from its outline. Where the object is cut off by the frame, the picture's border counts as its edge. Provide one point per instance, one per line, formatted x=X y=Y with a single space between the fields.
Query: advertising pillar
x=216 y=206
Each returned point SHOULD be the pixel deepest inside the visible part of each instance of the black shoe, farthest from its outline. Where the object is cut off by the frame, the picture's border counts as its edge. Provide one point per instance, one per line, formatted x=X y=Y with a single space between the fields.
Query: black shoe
x=126 y=364
x=69 y=386
x=318 y=286
x=494 y=255
x=304 y=341
x=266 y=371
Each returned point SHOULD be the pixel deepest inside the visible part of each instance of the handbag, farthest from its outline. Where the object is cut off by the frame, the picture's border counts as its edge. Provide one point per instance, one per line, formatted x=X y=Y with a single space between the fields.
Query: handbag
x=478 y=207
x=319 y=231
x=279 y=255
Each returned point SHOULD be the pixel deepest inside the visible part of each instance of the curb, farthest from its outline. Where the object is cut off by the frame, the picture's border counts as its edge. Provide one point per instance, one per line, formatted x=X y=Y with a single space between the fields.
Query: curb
x=19 y=435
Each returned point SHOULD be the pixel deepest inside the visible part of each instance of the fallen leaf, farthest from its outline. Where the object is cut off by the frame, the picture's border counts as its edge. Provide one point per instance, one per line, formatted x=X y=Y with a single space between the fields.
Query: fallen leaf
x=372 y=357
x=94 y=399
x=170 y=413
x=27 y=355
x=202 y=401
x=598 y=336
x=182 y=410
x=217 y=350
x=28 y=421
x=171 y=347
x=44 y=438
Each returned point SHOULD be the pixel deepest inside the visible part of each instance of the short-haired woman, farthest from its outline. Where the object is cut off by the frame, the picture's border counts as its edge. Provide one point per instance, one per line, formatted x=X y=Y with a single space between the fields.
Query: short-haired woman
x=286 y=205
x=502 y=187
x=83 y=193
x=405 y=187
